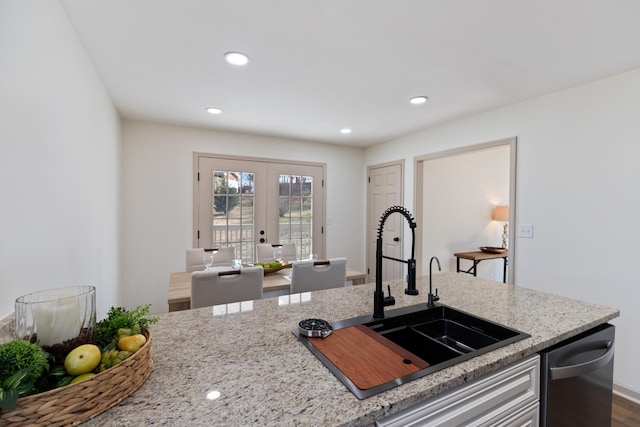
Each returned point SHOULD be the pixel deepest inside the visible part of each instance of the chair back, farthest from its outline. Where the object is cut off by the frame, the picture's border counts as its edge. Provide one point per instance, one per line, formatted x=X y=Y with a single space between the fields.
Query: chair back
x=222 y=287
x=310 y=275
x=289 y=252
x=223 y=257
x=194 y=259
x=264 y=251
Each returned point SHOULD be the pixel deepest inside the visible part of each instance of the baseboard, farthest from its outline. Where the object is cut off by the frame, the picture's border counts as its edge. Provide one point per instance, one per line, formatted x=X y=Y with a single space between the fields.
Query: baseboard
x=627 y=393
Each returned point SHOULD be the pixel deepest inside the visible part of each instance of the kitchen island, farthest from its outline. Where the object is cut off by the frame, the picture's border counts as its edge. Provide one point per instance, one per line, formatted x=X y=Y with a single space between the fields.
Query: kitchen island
x=264 y=376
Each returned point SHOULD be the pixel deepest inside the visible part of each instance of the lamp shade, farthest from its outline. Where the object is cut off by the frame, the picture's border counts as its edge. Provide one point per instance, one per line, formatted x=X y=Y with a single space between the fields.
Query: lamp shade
x=501 y=213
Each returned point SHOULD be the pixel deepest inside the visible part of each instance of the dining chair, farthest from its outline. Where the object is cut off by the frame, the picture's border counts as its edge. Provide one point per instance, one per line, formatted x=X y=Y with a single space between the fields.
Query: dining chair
x=289 y=252
x=264 y=251
x=222 y=287
x=310 y=275
x=194 y=259
x=222 y=257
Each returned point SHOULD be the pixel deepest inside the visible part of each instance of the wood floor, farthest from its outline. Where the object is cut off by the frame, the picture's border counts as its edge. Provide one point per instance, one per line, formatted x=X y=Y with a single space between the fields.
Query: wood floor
x=624 y=413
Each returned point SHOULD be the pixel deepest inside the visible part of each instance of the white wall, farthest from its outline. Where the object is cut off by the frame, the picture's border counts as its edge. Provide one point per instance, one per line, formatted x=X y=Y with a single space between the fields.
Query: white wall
x=158 y=198
x=59 y=160
x=577 y=174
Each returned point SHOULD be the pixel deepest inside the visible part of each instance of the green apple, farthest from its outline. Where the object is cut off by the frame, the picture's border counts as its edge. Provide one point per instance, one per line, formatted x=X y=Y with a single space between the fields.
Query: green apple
x=82 y=359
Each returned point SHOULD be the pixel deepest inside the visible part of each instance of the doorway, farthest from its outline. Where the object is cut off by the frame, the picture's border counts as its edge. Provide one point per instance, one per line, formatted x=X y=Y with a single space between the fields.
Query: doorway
x=241 y=202
x=456 y=192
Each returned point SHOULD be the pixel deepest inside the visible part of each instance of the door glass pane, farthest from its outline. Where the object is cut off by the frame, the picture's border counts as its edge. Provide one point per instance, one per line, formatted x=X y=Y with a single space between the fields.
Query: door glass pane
x=285 y=187
x=283 y=207
x=295 y=212
x=295 y=207
x=233 y=212
x=295 y=185
x=305 y=232
x=305 y=188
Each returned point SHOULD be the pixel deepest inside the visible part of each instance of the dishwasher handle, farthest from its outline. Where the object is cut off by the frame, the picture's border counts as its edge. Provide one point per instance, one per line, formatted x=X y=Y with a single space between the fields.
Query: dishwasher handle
x=561 y=372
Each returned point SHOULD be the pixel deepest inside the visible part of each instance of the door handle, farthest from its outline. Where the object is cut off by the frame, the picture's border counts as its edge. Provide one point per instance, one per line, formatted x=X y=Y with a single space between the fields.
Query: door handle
x=396 y=239
x=262 y=240
x=560 y=372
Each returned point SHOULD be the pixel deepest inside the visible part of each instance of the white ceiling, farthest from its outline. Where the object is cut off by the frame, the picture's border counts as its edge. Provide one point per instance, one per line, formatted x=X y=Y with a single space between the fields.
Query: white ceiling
x=319 y=66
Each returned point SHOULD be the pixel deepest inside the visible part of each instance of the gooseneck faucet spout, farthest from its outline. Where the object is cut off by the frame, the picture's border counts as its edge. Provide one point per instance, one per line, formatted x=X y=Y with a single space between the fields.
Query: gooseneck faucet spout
x=432 y=298
x=379 y=300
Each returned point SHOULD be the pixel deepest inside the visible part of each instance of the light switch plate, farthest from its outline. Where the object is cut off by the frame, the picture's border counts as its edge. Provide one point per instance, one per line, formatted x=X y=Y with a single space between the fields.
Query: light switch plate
x=525 y=230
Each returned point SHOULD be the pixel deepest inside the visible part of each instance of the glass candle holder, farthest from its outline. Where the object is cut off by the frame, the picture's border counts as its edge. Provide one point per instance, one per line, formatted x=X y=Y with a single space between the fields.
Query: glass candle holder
x=57 y=319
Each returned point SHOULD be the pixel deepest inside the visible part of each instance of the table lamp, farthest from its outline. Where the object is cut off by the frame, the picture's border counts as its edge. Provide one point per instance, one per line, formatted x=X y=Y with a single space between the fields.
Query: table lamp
x=501 y=213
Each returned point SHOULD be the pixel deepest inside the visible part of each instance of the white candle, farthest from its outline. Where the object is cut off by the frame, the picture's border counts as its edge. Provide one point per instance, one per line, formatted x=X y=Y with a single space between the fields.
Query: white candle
x=58 y=320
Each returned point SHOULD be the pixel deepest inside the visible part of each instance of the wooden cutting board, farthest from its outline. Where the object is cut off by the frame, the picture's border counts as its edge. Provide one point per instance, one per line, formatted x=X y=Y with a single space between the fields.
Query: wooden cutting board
x=367 y=358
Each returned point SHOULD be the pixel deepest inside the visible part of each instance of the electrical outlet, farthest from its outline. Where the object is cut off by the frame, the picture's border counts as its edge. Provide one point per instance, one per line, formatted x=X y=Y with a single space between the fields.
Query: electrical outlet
x=525 y=230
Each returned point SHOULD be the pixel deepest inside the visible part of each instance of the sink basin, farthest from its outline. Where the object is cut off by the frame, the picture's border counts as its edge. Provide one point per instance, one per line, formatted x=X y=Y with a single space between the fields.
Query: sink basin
x=441 y=336
x=419 y=344
x=442 y=333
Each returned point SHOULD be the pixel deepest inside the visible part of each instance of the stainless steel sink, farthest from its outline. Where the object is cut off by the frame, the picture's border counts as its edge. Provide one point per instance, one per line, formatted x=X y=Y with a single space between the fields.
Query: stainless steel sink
x=442 y=336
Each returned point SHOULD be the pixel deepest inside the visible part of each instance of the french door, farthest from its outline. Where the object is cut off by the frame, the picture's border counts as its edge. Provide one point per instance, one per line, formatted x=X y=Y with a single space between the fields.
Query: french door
x=240 y=202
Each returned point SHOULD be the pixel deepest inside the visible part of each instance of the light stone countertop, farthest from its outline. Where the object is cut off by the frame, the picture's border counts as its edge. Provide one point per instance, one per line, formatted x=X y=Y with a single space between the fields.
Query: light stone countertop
x=266 y=377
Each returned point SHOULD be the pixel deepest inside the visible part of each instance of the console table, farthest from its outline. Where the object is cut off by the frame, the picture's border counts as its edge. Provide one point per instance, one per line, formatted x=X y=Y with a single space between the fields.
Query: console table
x=477 y=256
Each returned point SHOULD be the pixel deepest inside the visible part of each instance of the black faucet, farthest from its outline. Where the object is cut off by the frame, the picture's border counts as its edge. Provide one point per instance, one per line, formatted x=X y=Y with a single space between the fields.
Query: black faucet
x=379 y=300
x=432 y=298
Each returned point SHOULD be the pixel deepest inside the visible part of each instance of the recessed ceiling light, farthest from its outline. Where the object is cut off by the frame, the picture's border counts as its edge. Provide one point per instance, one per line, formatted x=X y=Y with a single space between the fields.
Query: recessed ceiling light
x=213 y=394
x=236 y=58
x=418 y=100
x=345 y=130
x=214 y=110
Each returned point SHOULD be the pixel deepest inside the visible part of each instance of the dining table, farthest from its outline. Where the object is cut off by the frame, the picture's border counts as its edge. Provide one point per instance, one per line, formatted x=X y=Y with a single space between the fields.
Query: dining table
x=179 y=297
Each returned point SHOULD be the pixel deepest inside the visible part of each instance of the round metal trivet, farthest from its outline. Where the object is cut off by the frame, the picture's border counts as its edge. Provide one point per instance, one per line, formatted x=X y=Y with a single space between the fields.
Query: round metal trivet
x=314 y=328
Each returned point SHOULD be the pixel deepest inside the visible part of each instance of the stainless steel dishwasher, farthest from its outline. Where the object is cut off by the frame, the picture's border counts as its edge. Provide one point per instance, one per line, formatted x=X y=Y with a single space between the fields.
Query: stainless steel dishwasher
x=577 y=379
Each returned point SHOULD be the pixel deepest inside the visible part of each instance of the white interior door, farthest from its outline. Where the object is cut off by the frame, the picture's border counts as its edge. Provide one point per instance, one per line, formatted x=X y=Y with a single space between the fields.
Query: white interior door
x=384 y=191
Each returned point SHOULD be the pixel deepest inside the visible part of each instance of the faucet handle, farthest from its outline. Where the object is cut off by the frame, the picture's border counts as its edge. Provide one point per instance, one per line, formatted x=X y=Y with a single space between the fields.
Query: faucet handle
x=432 y=299
x=389 y=300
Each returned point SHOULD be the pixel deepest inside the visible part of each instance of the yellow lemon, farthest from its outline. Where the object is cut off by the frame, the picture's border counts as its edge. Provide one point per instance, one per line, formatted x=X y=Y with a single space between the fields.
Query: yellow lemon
x=82 y=359
x=132 y=343
x=82 y=377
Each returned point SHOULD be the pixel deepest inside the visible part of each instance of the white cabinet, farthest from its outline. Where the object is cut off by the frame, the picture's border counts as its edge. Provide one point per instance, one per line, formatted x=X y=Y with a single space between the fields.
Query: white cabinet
x=509 y=397
x=527 y=417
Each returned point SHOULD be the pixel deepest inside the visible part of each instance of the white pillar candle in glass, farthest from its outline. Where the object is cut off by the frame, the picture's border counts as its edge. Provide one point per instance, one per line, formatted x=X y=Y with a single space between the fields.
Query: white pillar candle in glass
x=58 y=320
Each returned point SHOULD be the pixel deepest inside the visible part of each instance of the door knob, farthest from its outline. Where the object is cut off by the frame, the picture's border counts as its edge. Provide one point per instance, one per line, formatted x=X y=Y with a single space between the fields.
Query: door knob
x=262 y=240
x=396 y=239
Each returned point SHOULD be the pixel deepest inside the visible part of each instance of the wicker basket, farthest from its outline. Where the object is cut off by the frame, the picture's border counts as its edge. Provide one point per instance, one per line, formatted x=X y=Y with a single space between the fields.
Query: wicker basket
x=76 y=403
